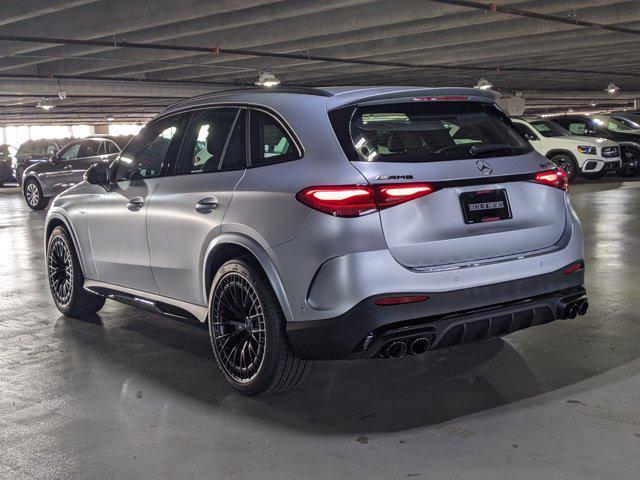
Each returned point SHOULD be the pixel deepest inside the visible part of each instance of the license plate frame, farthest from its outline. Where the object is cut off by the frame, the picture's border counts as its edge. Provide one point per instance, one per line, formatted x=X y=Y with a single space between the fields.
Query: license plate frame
x=485 y=206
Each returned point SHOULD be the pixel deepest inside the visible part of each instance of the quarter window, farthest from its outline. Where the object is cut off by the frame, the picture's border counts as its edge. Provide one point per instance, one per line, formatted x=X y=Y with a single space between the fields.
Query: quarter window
x=146 y=154
x=269 y=142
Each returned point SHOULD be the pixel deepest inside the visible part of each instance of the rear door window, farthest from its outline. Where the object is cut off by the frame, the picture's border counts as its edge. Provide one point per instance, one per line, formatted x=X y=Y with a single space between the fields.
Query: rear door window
x=429 y=132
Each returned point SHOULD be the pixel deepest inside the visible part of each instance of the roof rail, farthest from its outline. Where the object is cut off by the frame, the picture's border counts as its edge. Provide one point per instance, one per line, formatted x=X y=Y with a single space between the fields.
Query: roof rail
x=286 y=89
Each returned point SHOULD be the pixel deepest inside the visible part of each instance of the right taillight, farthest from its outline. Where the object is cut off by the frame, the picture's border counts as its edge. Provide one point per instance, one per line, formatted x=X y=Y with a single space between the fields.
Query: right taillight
x=553 y=178
x=356 y=200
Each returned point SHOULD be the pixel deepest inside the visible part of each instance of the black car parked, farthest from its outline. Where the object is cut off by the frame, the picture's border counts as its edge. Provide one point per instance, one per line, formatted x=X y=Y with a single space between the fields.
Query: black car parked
x=35 y=151
x=605 y=126
x=630 y=119
x=6 y=161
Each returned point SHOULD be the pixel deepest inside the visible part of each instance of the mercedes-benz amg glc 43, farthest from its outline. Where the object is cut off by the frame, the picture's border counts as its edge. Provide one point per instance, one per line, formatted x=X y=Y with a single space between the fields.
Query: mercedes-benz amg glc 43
x=306 y=224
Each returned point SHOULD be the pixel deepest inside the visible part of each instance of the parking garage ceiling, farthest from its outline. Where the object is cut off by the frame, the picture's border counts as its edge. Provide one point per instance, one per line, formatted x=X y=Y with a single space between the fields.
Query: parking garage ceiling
x=557 y=52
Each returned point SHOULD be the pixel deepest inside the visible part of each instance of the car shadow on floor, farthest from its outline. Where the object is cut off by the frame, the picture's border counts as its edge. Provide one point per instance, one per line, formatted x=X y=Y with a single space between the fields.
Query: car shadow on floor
x=337 y=397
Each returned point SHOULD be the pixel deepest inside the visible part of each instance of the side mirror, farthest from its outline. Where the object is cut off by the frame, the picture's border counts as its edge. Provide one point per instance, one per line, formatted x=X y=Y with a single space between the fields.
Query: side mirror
x=530 y=136
x=97 y=174
x=54 y=159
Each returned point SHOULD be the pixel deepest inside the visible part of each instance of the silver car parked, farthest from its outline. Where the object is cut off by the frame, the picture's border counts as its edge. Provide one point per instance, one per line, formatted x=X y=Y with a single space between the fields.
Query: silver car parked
x=308 y=224
x=44 y=180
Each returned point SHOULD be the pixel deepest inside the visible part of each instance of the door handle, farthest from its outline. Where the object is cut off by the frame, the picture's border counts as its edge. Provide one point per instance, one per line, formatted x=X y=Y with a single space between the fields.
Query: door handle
x=67 y=167
x=135 y=203
x=207 y=205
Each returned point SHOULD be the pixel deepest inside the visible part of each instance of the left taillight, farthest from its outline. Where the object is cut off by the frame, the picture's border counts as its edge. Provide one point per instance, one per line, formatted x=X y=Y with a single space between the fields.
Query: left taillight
x=357 y=200
x=553 y=178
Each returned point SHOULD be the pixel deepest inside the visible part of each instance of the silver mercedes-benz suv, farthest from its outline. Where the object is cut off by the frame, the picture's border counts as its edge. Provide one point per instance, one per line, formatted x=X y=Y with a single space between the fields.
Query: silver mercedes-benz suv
x=310 y=224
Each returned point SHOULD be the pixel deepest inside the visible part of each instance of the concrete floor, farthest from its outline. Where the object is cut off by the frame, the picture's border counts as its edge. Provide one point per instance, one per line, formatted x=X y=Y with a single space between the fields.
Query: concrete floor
x=130 y=394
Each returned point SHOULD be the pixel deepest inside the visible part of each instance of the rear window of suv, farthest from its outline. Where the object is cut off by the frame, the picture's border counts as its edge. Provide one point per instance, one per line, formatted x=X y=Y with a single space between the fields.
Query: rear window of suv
x=426 y=132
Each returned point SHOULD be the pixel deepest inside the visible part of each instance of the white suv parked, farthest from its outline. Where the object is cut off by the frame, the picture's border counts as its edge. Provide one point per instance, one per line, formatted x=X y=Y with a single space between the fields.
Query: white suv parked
x=590 y=157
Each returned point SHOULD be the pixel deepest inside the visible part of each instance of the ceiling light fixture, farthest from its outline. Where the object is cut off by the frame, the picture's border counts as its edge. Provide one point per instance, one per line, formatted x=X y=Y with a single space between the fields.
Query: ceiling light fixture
x=612 y=88
x=483 y=84
x=110 y=118
x=44 y=105
x=267 y=79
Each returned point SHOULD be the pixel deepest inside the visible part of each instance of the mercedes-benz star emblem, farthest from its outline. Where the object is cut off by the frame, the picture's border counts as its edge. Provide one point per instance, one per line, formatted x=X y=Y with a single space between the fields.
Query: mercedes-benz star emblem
x=484 y=167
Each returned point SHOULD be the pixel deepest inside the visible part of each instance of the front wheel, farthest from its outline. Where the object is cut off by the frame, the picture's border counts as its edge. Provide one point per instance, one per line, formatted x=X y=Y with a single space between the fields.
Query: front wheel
x=567 y=163
x=66 y=281
x=34 y=196
x=630 y=162
x=247 y=330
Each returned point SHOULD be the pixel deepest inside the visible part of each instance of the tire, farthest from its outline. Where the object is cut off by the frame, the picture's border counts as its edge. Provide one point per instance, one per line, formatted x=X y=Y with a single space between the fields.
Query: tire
x=19 y=172
x=594 y=175
x=66 y=280
x=630 y=162
x=33 y=195
x=251 y=349
x=567 y=163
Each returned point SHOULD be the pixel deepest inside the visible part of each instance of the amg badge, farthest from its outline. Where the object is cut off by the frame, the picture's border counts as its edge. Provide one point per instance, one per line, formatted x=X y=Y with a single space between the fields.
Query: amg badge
x=393 y=177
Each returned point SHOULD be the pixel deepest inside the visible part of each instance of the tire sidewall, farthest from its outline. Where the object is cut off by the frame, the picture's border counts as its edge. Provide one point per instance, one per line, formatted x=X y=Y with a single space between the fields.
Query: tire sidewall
x=41 y=200
x=273 y=325
x=636 y=154
x=60 y=232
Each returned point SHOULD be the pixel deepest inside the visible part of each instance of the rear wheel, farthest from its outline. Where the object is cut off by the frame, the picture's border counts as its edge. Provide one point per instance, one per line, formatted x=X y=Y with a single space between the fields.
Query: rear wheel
x=567 y=163
x=34 y=196
x=247 y=330
x=630 y=162
x=65 y=277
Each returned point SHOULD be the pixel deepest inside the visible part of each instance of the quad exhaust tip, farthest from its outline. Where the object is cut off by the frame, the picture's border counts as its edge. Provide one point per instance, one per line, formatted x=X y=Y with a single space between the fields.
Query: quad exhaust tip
x=573 y=309
x=420 y=345
x=396 y=350
x=399 y=348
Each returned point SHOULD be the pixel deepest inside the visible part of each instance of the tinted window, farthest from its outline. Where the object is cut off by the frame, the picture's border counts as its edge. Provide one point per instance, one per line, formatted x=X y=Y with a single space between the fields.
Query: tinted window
x=430 y=132
x=549 y=129
x=269 y=142
x=70 y=152
x=208 y=140
x=146 y=154
x=110 y=147
x=91 y=148
x=524 y=130
x=577 y=127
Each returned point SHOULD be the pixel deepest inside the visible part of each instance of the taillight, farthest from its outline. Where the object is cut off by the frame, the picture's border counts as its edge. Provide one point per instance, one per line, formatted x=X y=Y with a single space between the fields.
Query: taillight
x=356 y=200
x=553 y=178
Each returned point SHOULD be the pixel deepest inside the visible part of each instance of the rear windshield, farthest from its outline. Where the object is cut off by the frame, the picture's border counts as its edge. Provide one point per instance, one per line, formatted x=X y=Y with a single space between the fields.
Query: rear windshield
x=430 y=132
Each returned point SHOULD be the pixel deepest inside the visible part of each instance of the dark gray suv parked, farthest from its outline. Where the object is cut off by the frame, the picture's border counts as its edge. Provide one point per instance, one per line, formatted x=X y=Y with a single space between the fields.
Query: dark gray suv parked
x=35 y=151
x=66 y=168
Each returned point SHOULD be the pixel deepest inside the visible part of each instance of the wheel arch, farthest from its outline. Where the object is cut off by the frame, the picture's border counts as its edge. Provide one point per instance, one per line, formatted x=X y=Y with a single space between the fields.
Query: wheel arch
x=227 y=246
x=557 y=151
x=54 y=220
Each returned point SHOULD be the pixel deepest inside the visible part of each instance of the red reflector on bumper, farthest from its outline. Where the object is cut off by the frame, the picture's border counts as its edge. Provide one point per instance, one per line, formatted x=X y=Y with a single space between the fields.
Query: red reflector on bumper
x=573 y=268
x=386 y=301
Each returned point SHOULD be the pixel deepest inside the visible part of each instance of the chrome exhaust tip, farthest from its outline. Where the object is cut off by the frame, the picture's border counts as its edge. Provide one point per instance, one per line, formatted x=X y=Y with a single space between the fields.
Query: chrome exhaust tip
x=396 y=350
x=419 y=345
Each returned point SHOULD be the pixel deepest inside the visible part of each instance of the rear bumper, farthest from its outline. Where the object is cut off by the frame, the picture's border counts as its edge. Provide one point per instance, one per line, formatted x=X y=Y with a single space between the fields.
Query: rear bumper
x=445 y=319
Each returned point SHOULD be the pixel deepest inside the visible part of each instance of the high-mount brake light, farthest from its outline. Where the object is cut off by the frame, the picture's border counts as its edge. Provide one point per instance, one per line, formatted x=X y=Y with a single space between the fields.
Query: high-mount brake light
x=553 y=178
x=357 y=200
x=449 y=98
